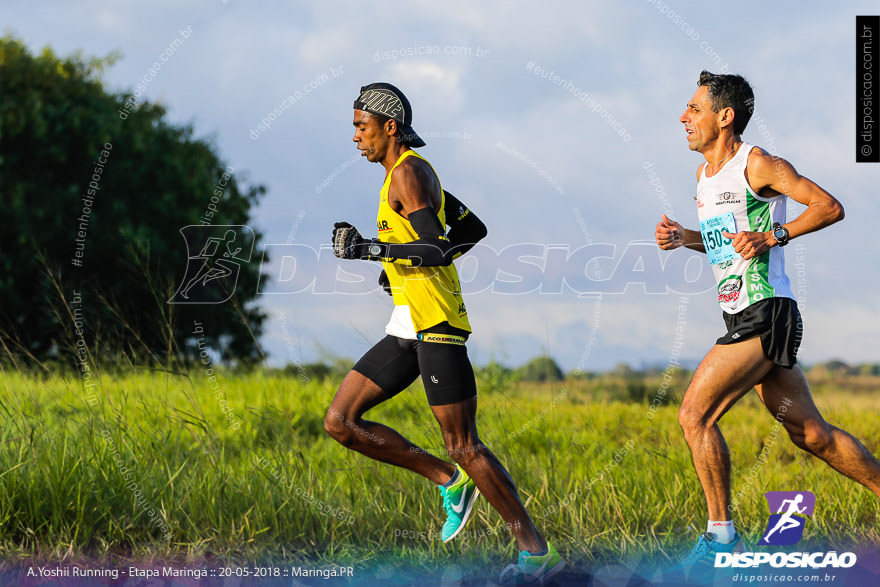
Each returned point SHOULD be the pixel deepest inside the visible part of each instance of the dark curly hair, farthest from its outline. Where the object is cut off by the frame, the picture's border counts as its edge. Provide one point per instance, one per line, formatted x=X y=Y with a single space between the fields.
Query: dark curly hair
x=730 y=91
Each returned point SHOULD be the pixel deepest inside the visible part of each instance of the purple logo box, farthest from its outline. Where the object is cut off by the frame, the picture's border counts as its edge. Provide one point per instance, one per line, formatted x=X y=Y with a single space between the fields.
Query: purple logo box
x=807 y=500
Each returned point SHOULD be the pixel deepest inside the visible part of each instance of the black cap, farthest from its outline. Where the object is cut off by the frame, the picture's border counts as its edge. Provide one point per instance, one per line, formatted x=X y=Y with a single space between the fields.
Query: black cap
x=385 y=99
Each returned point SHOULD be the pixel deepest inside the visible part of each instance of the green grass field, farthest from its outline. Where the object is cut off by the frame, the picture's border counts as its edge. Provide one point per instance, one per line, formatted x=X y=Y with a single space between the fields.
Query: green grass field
x=156 y=469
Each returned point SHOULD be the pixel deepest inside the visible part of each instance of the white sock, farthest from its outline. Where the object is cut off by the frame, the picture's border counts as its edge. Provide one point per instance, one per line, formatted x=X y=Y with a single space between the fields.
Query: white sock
x=723 y=531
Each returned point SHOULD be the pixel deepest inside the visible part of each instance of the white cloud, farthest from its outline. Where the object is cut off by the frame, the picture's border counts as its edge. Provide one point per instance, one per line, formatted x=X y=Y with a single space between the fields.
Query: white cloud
x=242 y=61
x=432 y=87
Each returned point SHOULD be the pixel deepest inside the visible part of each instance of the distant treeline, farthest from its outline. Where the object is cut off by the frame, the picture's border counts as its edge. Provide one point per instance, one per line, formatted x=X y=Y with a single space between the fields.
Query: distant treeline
x=544 y=368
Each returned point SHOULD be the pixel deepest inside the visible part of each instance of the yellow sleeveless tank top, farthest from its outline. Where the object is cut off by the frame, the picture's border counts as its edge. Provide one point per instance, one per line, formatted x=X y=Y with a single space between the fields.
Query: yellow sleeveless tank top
x=433 y=294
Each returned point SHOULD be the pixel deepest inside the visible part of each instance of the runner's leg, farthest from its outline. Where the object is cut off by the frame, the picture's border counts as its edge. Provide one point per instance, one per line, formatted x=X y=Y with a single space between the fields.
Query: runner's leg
x=451 y=390
x=726 y=374
x=787 y=396
x=458 y=424
x=358 y=393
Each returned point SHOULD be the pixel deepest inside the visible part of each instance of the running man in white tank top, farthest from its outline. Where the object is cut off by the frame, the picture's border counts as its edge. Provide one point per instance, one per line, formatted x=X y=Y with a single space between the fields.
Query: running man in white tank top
x=726 y=203
x=741 y=197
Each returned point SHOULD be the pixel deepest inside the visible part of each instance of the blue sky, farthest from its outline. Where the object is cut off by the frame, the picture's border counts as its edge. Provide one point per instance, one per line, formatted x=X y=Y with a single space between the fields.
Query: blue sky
x=592 y=156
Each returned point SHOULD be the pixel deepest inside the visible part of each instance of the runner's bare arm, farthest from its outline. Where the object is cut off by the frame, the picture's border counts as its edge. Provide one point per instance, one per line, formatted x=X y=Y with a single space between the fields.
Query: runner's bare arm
x=671 y=235
x=765 y=171
x=413 y=187
x=770 y=176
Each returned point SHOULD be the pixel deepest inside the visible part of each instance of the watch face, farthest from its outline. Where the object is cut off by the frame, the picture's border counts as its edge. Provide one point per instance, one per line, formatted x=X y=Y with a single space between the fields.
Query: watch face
x=780 y=233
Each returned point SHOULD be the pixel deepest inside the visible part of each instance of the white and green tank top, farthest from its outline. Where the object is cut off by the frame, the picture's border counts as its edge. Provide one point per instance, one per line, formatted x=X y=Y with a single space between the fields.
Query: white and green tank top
x=726 y=202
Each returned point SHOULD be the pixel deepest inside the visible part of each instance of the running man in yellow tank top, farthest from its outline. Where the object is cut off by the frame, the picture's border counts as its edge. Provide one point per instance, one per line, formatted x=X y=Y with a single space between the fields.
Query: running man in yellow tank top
x=426 y=333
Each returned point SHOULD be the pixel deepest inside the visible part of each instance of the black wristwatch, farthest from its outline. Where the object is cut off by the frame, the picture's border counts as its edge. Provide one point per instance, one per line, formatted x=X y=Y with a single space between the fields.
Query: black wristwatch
x=375 y=249
x=780 y=233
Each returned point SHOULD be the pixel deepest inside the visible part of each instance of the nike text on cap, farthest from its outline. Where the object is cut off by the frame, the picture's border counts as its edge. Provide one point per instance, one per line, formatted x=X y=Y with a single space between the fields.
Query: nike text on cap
x=385 y=99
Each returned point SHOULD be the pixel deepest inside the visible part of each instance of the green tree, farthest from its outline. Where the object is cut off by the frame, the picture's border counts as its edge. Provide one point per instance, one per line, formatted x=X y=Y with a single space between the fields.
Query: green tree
x=869 y=370
x=633 y=381
x=541 y=368
x=56 y=119
x=494 y=376
x=838 y=367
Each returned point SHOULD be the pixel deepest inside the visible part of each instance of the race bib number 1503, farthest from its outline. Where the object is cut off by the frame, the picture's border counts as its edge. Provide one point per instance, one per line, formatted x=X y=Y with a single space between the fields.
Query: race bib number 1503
x=718 y=248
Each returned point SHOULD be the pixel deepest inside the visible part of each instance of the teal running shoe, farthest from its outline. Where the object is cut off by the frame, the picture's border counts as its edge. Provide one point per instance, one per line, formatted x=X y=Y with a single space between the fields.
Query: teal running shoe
x=533 y=569
x=458 y=501
x=699 y=565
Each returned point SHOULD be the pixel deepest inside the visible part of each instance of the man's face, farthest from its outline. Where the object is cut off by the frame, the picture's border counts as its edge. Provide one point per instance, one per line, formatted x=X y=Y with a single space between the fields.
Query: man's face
x=372 y=138
x=701 y=124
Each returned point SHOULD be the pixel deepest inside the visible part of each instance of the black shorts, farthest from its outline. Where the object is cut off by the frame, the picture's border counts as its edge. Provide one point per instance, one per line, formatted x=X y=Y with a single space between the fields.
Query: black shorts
x=394 y=363
x=776 y=320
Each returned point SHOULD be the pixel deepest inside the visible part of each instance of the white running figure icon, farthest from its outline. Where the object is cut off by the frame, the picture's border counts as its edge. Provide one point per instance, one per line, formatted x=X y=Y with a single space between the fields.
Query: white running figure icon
x=213 y=267
x=786 y=522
